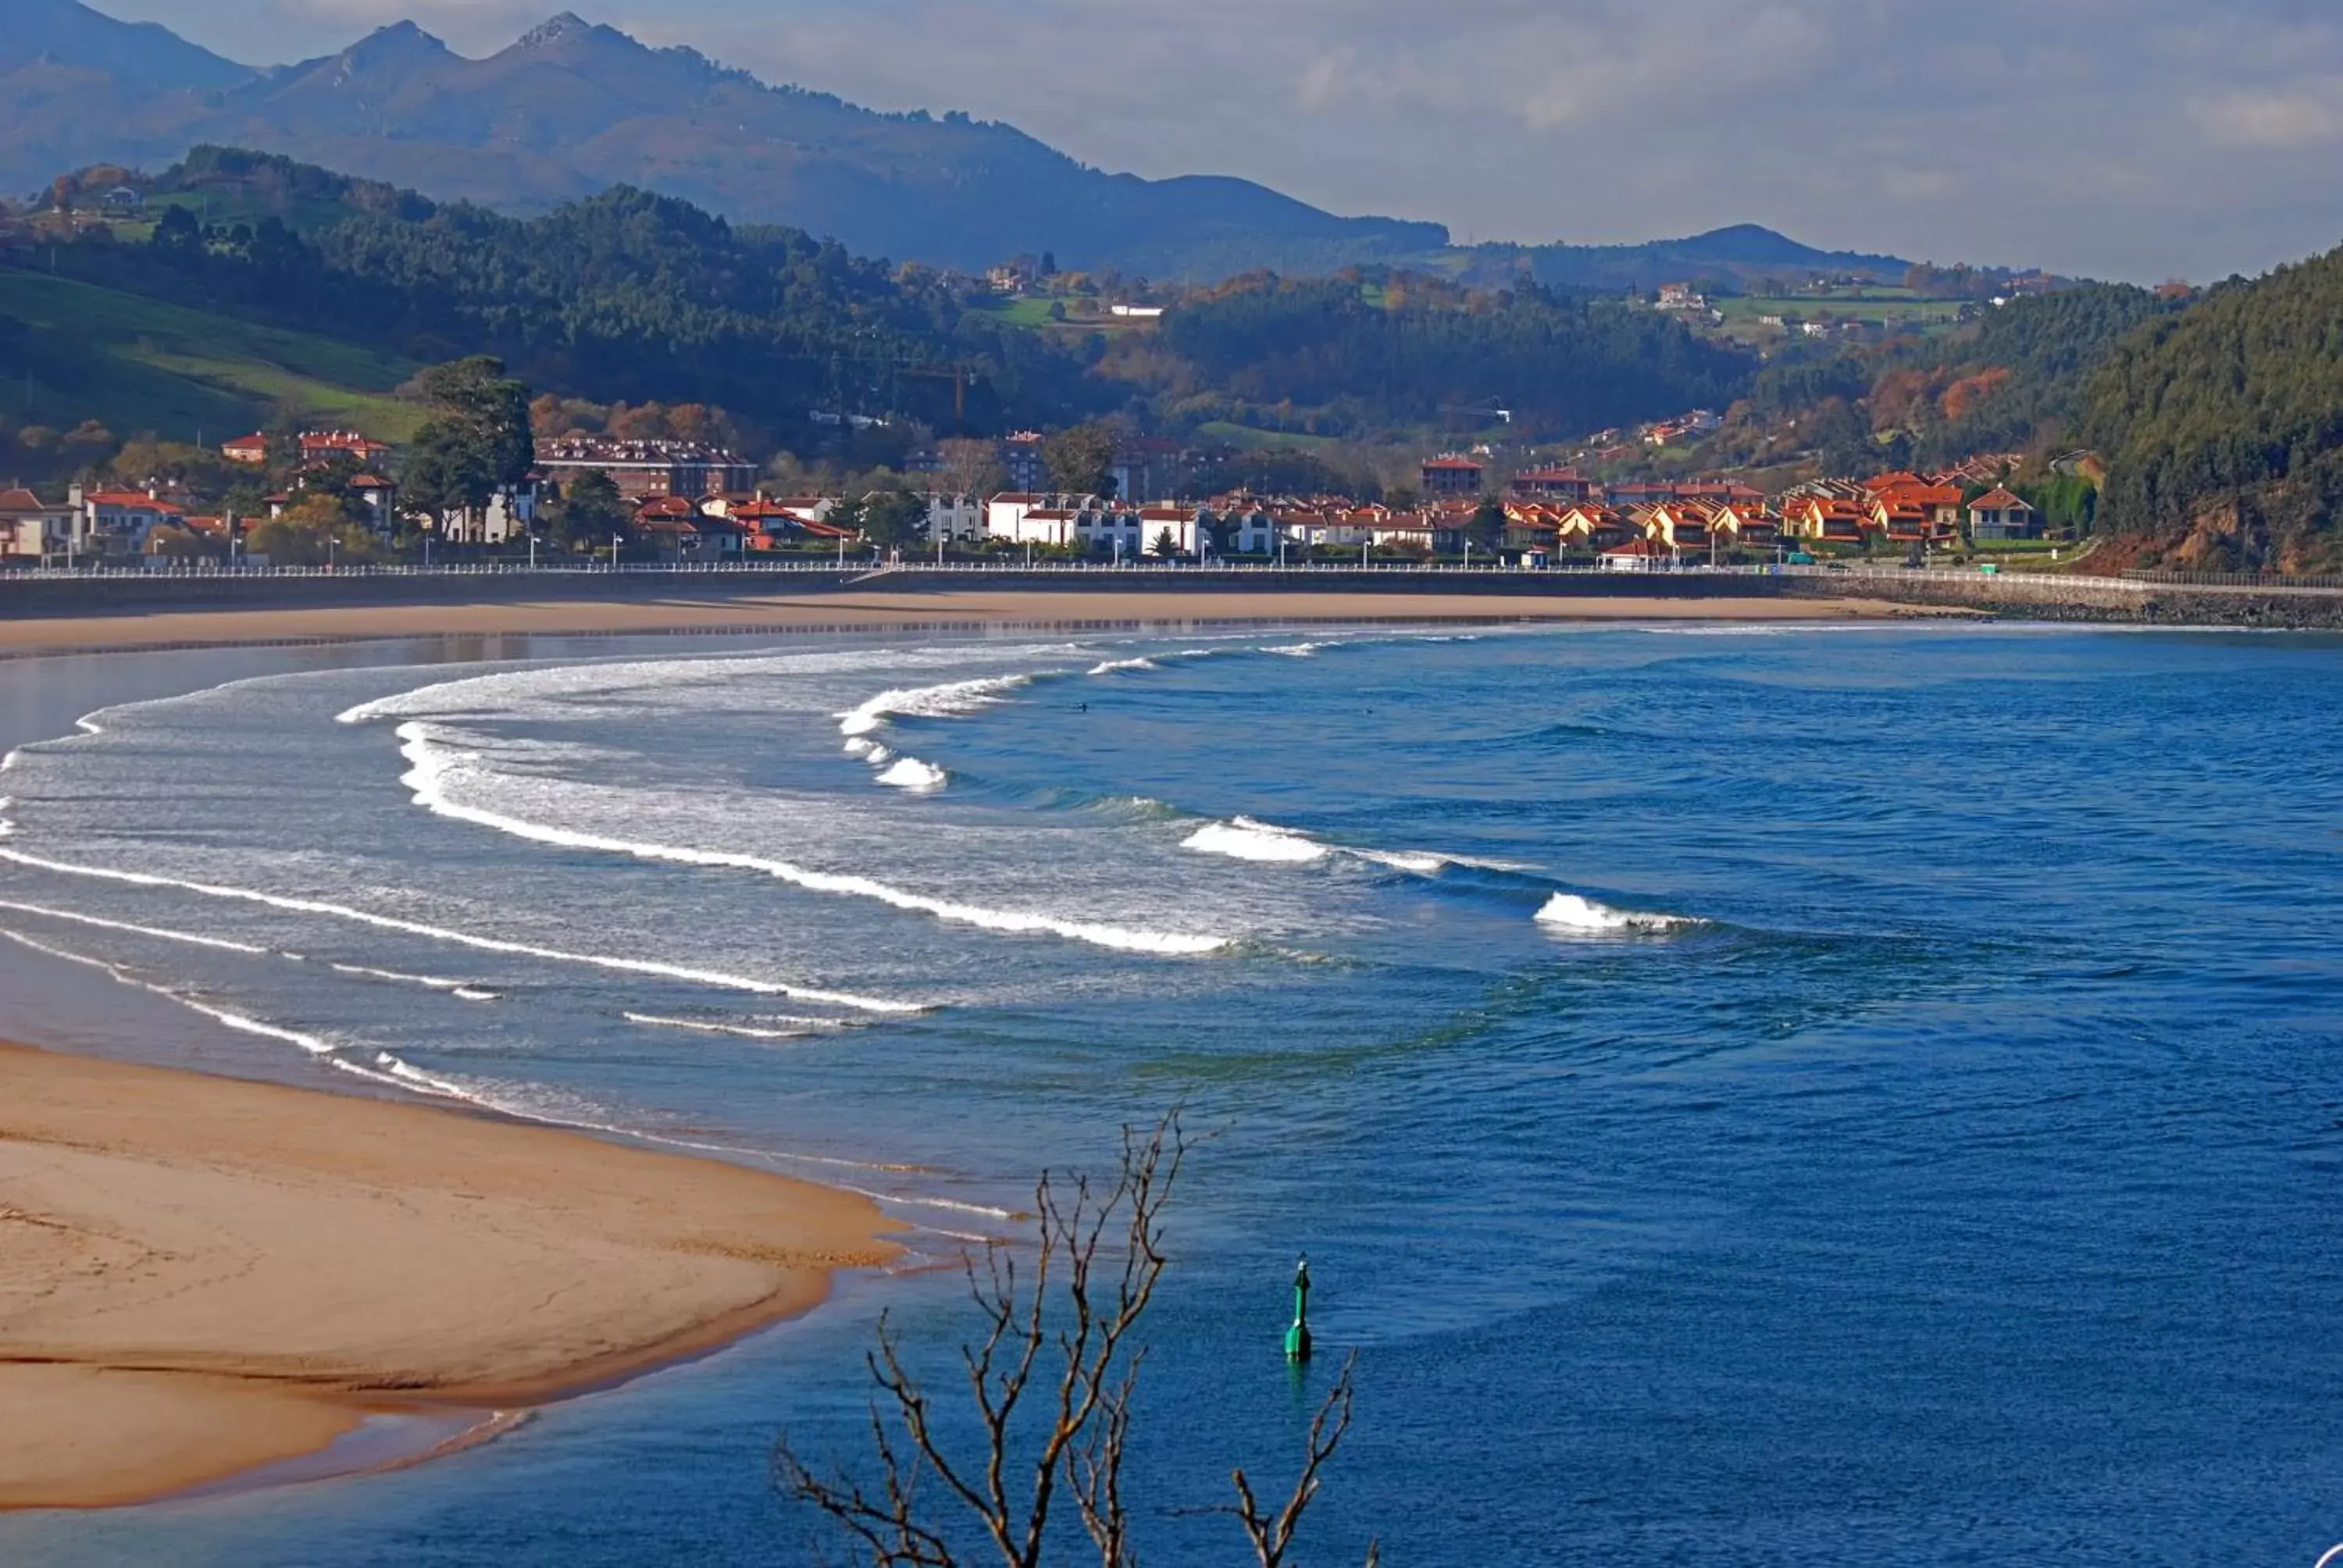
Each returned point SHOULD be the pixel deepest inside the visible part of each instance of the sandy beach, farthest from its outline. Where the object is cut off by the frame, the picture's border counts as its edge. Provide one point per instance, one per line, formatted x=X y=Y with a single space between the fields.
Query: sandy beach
x=200 y=1275
x=879 y=611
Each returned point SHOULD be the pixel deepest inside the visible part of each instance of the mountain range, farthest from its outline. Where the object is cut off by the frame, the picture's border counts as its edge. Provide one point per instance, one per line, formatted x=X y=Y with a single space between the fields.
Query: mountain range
x=572 y=109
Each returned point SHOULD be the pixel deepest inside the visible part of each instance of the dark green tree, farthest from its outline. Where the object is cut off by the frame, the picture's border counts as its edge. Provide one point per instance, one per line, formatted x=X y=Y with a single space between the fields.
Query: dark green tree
x=477 y=440
x=1487 y=528
x=895 y=519
x=589 y=511
x=1167 y=546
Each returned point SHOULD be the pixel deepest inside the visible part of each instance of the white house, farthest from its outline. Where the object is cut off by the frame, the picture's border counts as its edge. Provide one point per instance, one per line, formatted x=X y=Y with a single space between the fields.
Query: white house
x=952 y=519
x=509 y=515
x=116 y=522
x=1181 y=522
x=1028 y=516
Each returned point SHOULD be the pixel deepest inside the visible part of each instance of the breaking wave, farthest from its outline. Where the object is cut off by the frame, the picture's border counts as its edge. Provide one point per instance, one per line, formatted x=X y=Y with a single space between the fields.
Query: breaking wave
x=951 y=699
x=1242 y=838
x=1246 y=839
x=1572 y=912
x=434 y=768
x=714 y=978
x=1111 y=666
x=791 y=1029
x=911 y=773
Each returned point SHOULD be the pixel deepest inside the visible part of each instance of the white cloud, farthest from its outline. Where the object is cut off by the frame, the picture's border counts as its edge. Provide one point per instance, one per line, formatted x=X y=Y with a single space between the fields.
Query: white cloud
x=2301 y=118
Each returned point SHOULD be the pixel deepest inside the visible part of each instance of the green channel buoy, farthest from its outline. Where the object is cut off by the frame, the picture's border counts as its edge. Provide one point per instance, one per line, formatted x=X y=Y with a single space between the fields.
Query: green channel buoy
x=1297 y=1338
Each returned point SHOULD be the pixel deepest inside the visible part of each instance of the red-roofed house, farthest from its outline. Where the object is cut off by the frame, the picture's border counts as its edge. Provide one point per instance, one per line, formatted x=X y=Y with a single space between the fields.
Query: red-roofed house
x=1452 y=475
x=2000 y=515
x=1567 y=485
x=1908 y=506
x=251 y=448
x=321 y=445
x=116 y=522
x=1830 y=520
x=1591 y=526
x=1680 y=526
x=1636 y=555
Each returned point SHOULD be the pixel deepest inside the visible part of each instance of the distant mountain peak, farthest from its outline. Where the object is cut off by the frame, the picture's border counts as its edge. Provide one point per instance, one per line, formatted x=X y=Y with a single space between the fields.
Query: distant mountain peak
x=67 y=33
x=567 y=27
x=401 y=40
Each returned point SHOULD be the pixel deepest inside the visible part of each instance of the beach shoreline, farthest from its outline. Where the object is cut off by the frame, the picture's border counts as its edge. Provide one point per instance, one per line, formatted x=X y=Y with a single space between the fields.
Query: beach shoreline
x=883 y=613
x=205 y=1278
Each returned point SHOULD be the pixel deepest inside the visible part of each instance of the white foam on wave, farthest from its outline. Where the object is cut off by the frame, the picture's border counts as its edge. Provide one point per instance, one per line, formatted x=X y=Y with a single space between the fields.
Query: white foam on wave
x=686 y=974
x=746 y=1031
x=464 y=990
x=1111 y=666
x=911 y=773
x=390 y=1070
x=219 y=944
x=856 y=746
x=1246 y=839
x=1423 y=863
x=434 y=769
x=315 y=1045
x=407 y=1076
x=1298 y=650
x=950 y=699
x=1242 y=838
x=1572 y=912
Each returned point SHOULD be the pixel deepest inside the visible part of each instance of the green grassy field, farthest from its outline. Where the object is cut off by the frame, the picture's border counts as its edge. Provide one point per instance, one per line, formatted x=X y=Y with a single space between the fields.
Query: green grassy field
x=1887 y=308
x=1031 y=312
x=1083 y=316
x=1245 y=437
x=178 y=372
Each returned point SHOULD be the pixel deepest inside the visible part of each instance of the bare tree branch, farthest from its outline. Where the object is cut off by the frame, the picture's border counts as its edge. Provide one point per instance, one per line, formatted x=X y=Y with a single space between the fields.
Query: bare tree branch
x=1272 y=1535
x=1056 y=1349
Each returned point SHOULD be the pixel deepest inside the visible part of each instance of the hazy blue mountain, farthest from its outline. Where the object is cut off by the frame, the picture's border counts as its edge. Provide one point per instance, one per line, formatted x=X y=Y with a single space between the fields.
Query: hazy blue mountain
x=65 y=32
x=572 y=109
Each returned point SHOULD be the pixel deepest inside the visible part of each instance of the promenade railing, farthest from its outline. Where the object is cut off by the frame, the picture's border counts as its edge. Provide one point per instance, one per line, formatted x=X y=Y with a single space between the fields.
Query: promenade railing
x=1844 y=574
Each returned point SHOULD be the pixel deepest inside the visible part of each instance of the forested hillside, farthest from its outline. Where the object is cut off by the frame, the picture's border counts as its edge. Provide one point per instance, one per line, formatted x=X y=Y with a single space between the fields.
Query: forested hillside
x=624 y=297
x=633 y=297
x=1383 y=350
x=2222 y=426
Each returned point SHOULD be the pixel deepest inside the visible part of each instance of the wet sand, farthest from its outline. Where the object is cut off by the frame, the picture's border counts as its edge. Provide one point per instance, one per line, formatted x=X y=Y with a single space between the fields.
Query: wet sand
x=882 y=611
x=200 y=1276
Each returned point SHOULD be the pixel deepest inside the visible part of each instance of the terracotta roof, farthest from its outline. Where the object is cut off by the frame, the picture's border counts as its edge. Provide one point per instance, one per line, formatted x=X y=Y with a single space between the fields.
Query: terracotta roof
x=130 y=500
x=20 y=501
x=1456 y=463
x=1636 y=547
x=1997 y=499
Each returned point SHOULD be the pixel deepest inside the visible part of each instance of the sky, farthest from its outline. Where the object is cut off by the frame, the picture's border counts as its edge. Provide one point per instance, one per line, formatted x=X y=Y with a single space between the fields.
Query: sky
x=2138 y=139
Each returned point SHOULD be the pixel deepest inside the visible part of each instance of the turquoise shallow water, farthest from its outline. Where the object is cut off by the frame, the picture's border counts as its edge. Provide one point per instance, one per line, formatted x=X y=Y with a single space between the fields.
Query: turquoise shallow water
x=1748 y=1094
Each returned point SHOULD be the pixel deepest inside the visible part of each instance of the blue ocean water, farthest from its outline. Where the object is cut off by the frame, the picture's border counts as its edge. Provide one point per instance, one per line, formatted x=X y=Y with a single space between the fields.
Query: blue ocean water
x=1749 y=1094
